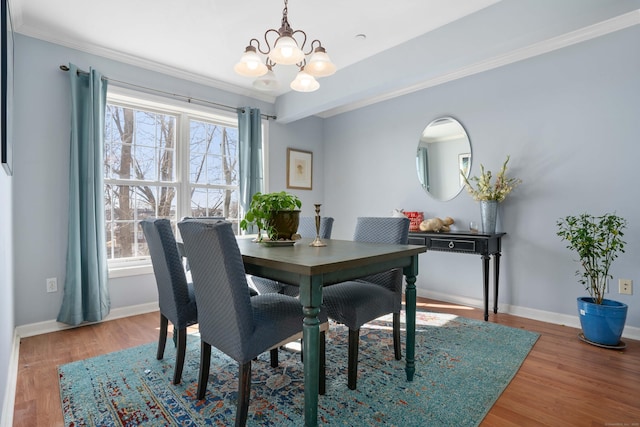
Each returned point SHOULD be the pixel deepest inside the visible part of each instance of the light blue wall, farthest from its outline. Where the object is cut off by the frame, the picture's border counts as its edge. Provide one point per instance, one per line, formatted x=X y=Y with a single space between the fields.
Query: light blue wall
x=41 y=157
x=569 y=119
x=305 y=135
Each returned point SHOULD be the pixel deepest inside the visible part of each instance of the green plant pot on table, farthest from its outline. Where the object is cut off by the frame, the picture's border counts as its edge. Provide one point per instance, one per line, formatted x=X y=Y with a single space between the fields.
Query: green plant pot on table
x=277 y=214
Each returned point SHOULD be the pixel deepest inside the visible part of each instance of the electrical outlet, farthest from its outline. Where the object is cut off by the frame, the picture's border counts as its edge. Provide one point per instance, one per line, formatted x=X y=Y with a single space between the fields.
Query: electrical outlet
x=625 y=286
x=52 y=284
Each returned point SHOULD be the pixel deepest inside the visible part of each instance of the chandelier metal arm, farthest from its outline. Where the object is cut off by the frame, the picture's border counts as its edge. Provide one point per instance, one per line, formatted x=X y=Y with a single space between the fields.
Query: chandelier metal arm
x=312 y=49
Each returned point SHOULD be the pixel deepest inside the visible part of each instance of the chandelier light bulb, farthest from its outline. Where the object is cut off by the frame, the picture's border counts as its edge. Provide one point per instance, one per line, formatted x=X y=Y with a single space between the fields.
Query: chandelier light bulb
x=304 y=82
x=250 y=64
x=286 y=51
x=320 y=65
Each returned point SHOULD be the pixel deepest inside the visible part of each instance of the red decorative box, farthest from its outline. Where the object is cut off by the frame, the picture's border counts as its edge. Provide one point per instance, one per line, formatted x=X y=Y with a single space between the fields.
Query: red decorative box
x=416 y=218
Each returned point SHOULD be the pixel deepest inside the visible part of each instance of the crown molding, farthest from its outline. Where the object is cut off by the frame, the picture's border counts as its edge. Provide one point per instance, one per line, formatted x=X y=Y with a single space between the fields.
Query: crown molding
x=144 y=63
x=578 y=36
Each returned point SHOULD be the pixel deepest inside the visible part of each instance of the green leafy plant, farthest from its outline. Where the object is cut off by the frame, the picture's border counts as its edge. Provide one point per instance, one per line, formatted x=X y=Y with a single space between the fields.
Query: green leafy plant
x=598 y=241
x=485 y=190
x=262 y=208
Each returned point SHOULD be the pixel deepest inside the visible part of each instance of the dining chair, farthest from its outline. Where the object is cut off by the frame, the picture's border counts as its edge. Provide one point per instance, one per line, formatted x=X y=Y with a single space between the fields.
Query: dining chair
x=176 y=297
x=230 y=319
x=357 y=302
x=306 y=229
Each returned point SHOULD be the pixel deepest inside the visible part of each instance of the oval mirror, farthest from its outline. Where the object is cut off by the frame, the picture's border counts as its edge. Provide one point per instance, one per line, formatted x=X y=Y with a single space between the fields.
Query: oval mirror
x=444 y=149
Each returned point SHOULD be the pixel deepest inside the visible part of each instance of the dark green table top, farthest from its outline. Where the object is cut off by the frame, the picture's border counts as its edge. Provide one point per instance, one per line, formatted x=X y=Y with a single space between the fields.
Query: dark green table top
x=338 y=255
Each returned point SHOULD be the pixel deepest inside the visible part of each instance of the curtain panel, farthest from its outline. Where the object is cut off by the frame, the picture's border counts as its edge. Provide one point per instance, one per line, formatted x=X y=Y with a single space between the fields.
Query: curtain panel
x=250 y=152
x=86 y=294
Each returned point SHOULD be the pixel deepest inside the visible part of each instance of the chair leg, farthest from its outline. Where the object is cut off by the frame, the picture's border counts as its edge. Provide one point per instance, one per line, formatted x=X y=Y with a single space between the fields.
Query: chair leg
x=396 y=336
x=274 y=357
x=244 y=391
x=162 y=339
x=181 y=350
x=352 y=368
x=323 y=364
x=205 y=362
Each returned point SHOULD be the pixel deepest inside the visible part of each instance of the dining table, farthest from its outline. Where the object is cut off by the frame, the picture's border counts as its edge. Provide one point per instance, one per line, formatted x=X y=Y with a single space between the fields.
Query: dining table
x=313 y=267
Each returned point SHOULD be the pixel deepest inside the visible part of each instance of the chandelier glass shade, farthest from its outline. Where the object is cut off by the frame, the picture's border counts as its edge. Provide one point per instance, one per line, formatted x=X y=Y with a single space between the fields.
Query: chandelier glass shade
x=304 y=82
x=287 y=49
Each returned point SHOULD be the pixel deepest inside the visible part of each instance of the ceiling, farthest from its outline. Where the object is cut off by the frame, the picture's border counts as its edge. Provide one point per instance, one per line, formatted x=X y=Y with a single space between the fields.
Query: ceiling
x=205 y=38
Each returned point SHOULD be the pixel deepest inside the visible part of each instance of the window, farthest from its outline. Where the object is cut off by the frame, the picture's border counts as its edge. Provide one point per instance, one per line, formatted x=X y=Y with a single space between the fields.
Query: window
x=167 y=162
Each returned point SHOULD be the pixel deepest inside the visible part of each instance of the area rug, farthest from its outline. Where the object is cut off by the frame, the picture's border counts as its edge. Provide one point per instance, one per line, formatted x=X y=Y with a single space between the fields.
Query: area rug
x=462 y=367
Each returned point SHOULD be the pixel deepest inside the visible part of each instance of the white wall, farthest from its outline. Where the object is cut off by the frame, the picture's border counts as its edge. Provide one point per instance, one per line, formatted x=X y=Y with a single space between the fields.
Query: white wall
x=569 y=120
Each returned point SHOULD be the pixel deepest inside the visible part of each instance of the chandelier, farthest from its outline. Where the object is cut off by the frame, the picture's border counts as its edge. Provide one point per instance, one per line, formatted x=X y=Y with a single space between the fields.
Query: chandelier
x=285 y=51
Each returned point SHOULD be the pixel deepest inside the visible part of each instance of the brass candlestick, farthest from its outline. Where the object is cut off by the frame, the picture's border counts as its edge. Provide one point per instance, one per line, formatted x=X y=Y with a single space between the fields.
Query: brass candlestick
x=317 y=242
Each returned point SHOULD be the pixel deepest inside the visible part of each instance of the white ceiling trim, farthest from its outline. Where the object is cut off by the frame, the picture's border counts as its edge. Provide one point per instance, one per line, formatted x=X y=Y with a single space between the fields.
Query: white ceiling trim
x=146 y=64
x=587 y=33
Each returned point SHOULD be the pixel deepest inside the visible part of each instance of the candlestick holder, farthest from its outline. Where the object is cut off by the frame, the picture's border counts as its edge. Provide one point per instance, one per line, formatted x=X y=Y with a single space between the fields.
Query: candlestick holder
x=317 y=242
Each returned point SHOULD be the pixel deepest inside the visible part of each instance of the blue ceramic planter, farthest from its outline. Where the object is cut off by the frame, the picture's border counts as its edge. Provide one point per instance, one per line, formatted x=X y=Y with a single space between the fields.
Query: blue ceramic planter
x=602 y=323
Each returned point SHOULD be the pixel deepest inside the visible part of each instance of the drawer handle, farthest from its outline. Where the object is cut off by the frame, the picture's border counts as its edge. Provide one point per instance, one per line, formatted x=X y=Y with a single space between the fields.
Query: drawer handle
x=451 y=245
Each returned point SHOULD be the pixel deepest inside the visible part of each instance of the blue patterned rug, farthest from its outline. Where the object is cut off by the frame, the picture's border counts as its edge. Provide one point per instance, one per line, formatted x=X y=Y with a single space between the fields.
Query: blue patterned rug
x=462 y=367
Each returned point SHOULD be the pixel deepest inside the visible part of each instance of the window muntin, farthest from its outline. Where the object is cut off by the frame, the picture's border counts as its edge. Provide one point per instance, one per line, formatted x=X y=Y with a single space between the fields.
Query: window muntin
x=166 y=162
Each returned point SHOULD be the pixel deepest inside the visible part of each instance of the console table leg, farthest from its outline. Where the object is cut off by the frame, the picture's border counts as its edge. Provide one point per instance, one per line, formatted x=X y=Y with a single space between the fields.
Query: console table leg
x=496 y=276
x=485 y=283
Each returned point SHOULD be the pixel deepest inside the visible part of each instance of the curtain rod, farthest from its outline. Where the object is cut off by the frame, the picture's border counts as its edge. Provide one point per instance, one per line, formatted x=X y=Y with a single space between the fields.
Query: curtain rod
x=175 y=95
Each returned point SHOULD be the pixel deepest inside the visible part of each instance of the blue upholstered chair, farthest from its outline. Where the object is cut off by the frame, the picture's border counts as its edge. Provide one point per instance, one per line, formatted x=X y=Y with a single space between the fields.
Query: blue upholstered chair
x=175 y=296
x=357 y=302
x=306 y=228
x=230 y=319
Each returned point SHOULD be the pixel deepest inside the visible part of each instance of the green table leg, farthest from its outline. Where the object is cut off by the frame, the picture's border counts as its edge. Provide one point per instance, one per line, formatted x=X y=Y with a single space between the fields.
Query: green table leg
x=311 y=299
x=410 y=273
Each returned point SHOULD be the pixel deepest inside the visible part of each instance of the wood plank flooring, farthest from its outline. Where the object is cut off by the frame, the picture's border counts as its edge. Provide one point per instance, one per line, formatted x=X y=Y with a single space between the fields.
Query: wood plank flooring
x=563 y=381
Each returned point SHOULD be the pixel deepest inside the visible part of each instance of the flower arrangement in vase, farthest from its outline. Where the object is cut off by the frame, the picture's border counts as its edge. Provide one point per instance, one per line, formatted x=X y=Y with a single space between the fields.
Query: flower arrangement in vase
x=490 y=194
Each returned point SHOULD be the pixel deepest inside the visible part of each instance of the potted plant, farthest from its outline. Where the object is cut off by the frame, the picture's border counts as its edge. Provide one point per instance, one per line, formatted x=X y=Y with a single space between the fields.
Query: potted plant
x=597 y=241
x=278 y=214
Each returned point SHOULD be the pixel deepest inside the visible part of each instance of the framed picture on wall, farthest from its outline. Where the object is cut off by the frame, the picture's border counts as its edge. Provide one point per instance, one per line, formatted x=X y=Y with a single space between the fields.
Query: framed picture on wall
x=464 y=162
x=299 y=169
x=6 y=90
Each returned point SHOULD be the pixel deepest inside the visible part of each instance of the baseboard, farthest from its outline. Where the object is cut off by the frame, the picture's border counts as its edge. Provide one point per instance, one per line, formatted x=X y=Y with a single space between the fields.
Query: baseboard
x=631 y=332
x=47 y=326
x=6 y=419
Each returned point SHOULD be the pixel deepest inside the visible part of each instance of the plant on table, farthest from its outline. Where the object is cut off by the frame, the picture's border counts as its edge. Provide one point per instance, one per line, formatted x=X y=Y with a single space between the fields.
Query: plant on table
x=262 y=208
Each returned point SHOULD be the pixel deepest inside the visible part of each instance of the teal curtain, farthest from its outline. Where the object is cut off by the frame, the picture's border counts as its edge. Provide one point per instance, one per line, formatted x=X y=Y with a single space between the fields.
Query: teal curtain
x=86 y=295
x=250 y=152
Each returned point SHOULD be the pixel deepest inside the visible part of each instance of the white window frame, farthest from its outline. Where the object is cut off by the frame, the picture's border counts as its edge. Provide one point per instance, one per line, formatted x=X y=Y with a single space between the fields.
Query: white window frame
x=183 y=112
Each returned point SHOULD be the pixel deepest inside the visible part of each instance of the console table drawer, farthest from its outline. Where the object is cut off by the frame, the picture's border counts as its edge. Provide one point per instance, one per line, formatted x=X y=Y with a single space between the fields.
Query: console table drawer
x=418 y=240
x=453 y=245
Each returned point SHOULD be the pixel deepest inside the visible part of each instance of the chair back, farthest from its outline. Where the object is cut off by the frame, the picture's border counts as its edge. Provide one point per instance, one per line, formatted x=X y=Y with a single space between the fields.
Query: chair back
x=173 y=291
x=307 y=227
x=393 y=230
x=205 y=218
x=225 y=316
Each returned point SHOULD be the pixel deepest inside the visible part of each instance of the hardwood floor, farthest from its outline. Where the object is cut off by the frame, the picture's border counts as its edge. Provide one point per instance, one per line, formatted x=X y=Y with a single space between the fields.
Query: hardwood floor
x=563 y=381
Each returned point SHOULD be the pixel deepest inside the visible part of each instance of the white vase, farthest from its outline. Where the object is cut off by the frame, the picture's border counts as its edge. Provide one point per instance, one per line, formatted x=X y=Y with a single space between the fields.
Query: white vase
x=488 y=216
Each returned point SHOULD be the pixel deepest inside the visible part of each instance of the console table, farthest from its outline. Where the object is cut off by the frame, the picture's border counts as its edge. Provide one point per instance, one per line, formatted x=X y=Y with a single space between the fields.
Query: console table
x=485 y=245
